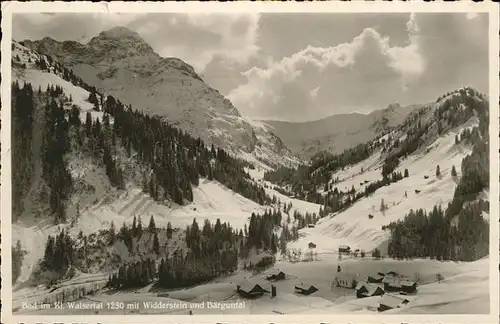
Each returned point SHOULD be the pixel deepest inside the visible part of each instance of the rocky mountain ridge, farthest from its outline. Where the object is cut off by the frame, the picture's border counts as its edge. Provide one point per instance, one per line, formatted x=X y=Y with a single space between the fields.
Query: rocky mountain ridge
x=121 y=63
x=337 y=133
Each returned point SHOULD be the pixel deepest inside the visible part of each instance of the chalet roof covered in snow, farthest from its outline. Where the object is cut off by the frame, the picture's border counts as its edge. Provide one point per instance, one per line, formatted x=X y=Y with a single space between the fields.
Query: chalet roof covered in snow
x=391 y=278
x=407 y=283
x=305 y=289
x=369 y=286
x=254 y=285
x=304 y=286
x=393 y=301
x=276 y=275
x=376 y=277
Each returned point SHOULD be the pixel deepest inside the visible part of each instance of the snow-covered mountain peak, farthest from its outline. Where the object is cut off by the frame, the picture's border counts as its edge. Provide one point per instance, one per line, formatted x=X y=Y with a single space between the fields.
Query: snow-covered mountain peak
x=119 y=43
x=120 y=63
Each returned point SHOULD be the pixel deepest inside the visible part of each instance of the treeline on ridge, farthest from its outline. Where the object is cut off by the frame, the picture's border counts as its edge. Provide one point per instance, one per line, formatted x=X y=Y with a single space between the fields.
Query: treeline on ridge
x=176 y=159
x=210 y=250
x=460 y=232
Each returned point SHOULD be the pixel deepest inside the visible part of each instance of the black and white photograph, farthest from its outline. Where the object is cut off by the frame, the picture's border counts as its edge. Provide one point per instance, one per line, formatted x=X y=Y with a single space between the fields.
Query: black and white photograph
x=250 y=163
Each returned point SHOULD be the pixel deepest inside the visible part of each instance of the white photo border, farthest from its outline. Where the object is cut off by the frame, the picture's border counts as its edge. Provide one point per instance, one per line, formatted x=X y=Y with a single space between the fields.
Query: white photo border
x=10 y=8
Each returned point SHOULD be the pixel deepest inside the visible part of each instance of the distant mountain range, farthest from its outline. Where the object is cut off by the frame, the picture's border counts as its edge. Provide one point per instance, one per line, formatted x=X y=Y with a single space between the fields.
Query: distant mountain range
x=339 y=132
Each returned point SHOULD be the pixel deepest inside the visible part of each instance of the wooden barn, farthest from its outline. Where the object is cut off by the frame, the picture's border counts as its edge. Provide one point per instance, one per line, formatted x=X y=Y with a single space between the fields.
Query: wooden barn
x=276 y=276
x=305 y=289
x=396 y=283
x=312 y=245
x=364 y=289
x=390 y=302
x=344 y=249
x=375 y=279
x=391 y=283
x=345 y=280
x=408 y=286
x=250 y=290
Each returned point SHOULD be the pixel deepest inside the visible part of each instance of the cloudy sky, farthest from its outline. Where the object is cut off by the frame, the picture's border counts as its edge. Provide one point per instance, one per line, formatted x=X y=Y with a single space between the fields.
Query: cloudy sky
x=308 y=66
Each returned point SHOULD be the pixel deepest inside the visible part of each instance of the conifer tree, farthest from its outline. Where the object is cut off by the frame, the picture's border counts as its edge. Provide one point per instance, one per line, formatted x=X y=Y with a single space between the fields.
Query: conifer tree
x=139 y=228
x=156 y=244
x=152 y=226
x=453 y=171
x=112 y=233
x=134 y=227
x=383 y=206
x=169 y=230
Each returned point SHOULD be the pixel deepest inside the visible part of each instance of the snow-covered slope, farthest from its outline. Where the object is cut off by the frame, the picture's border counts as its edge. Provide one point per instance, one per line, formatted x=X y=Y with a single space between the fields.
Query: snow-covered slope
x=212 y=201
x=354 y=228
x=43 y=79
x=464 y=293
x=105 y=205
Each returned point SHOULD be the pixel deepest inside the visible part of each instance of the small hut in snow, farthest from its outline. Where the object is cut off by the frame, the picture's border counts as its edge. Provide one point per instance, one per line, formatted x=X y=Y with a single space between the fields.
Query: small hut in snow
x=408 y=286
x=390 y=302
x=344 y=249
x=375 y=279
x=305 y=289
x=276 y=276
x=250 y=290
x=364 y=289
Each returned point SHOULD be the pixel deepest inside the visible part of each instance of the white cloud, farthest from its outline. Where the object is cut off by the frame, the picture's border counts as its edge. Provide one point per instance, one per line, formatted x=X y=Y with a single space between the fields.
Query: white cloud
x=237 y=38
x=442 y=52
x=368 y=56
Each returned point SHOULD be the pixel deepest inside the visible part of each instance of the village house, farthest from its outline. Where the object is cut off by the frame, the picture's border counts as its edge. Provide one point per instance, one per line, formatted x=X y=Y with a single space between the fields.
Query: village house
x=250 y=290
x=312 y=245
x=364 y=289
x=344 y=249
x=393 y=282
x=408 y=286
x=277 y=276
x=305 y=289
x=390 y=302
x=375 y=279
x=345 y=280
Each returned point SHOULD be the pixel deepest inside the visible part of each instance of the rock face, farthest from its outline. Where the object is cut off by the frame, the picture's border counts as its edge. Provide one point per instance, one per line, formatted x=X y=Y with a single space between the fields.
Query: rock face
x=121 y=63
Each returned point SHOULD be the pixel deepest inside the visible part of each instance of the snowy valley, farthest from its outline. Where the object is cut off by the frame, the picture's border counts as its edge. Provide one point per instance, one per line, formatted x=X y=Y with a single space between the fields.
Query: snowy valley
x=113 y=204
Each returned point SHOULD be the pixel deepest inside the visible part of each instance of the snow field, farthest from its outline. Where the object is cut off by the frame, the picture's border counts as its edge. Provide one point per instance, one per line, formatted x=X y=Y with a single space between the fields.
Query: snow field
x=464 y=285
x=42 y=79
x=354 y=228
x=211 y=201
